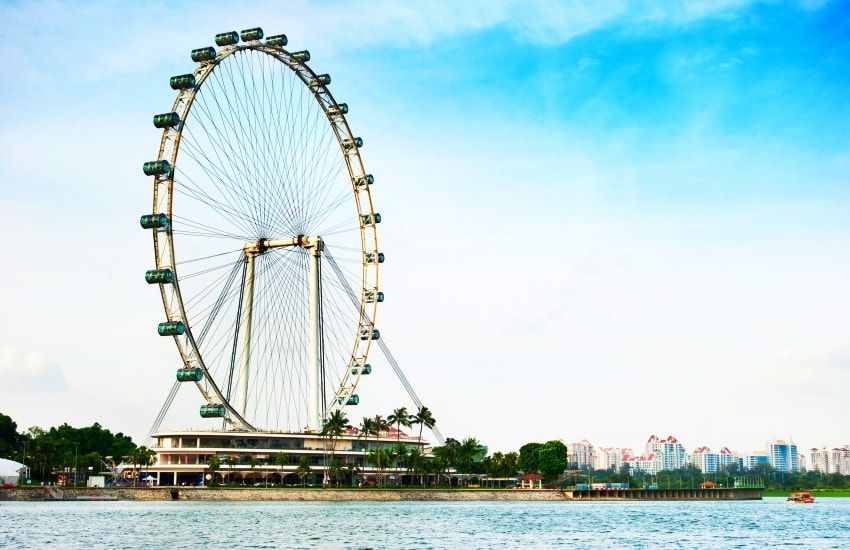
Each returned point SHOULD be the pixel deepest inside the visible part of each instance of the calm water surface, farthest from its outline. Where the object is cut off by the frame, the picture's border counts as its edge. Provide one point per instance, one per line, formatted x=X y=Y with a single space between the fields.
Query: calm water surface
x=468 y=525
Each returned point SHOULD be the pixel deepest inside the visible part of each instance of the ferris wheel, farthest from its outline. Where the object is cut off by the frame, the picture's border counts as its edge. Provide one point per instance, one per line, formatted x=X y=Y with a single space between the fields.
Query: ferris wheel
x=258 y=187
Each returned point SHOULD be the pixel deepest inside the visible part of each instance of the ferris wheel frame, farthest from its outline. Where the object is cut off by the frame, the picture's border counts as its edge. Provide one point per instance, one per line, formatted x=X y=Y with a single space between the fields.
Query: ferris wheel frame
x=187 y=87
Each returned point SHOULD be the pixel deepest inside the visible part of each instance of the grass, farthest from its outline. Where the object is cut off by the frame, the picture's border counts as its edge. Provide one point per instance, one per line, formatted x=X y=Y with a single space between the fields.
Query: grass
x=815 y=493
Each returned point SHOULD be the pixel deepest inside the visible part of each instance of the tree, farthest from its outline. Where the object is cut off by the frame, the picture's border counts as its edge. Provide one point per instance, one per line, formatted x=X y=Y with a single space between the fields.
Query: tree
x=367 y=427
x=552 y=460
x=400 y=418
x=10 y=439
x=465 y=454
x=253 y=462
x=424 y=418
x=335 y=425
x=303 y=469
x=213 y=464
x=529 y=457
x=281 y=460
x=231 y=461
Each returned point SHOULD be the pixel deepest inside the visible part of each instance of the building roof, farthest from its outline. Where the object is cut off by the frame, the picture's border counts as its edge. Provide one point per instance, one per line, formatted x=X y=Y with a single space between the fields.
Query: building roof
x=10 y=467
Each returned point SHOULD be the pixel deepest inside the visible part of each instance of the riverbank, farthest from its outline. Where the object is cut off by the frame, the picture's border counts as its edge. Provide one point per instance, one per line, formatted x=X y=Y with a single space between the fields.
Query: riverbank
x=274 y=494
x=378 y=495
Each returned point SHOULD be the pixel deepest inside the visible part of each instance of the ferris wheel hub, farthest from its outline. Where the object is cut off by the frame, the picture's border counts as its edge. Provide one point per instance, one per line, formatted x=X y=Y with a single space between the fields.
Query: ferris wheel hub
x=301 y=241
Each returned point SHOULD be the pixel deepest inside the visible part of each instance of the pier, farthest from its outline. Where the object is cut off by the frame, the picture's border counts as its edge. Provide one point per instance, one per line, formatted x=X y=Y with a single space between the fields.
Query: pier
x=665 y=494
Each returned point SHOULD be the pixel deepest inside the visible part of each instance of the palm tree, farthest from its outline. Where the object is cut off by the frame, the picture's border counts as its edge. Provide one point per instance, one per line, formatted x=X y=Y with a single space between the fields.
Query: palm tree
x=303 y=469
x=213 y=464
x=253 y=462
x=335 y=425
x=231 y=461
x=424 y=418
x=413 y=461
x=466 y=452
x=367 y=428
x=281 y=460
x=400 y=418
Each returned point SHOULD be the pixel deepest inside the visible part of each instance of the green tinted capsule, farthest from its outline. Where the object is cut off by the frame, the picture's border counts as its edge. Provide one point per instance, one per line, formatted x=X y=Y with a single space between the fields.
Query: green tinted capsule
x=171 y=328
x=367 y=369
x=154 y=221
x=166 y=120
x=373 y=258
x=366 y=334
x=182 y=82
x=278 y=40
x=372 y=296
x=190 y=375
x=352 y=143
x=249 y=35
x=338 y=109
x=303 y=56
x=370 y=219
x=361 y=182
x=227 y=38
x=352 y=400
x=320 y=80
x=203 y=54
x=159 y=276
x=156 y=168
x=212 y=411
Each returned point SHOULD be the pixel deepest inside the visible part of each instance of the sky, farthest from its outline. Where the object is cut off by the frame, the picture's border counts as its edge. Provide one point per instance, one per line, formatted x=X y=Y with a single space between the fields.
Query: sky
x=602 y=220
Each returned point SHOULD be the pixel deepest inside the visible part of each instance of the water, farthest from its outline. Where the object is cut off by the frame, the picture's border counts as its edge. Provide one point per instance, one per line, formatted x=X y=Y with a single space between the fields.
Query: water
x=467 y=525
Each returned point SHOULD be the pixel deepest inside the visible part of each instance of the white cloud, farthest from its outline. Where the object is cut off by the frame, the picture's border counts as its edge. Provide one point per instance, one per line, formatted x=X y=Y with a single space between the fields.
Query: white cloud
x=30 y=371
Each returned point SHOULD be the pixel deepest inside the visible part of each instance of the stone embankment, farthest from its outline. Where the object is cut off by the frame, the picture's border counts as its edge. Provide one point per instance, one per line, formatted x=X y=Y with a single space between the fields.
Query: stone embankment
x=288 y=494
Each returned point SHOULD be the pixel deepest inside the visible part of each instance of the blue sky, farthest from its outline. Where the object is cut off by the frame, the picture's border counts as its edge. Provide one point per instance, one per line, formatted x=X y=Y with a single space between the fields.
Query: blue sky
x=641 y=199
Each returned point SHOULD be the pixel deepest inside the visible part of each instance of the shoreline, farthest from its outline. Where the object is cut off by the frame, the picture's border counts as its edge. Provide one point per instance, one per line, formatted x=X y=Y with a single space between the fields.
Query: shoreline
x=79 y=494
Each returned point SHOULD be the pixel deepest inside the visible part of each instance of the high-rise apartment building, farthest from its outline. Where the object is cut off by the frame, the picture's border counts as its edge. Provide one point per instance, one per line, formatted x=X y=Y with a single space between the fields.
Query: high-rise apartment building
x=705 y=460
x=783 y=455
x=609 y=458
x=819 y=460
x=580 y=455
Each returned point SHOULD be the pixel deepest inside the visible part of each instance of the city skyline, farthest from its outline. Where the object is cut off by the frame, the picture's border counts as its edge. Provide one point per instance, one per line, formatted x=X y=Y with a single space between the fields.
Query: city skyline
x=594 y=220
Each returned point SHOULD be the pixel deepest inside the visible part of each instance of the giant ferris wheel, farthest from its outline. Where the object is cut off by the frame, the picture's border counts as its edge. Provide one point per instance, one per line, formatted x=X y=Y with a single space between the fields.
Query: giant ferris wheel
x=265 y=237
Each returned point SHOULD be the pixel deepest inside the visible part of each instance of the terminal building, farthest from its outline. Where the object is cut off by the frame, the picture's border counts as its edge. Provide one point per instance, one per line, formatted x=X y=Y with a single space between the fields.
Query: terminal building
x=183 y=456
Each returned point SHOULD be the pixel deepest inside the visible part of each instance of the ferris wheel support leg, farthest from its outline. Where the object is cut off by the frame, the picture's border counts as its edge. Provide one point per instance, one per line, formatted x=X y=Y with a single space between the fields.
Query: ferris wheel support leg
x=247 y=314
x=315 y=341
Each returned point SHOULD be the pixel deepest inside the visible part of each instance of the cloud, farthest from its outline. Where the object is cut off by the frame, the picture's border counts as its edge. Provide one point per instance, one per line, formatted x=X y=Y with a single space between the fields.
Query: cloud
x=29 y=371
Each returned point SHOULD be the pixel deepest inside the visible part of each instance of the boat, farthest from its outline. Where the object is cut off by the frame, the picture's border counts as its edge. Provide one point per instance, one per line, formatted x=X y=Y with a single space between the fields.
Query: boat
x=801 y=498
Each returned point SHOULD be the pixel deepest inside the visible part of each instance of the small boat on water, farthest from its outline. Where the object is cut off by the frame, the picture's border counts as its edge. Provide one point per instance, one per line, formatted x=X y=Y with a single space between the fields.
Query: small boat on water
x=801 y=498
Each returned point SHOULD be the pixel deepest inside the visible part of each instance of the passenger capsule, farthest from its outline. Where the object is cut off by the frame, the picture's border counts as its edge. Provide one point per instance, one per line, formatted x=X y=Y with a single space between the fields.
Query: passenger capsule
x=203 y=54
x=352 y=400
x=303 y=56
x=366 y=334
x=227 y=38
x=249 y=35
x=338 y=109
x=182 y=82
x=212 y=411
x=352 y=143
x=159 y=276
x=156 y=168
x=278 y=40
x=322 y=79
x=166 y=120
x=372 y=296
x=190 y=375
x=373 y=258
x=361 y=182
x=367 y=369
x=370 y=219
x=154 y=221
x=171 y=328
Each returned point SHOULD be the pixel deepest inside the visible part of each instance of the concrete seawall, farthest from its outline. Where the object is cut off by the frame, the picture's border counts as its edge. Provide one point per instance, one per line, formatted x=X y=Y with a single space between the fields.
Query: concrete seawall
x=288 y=494
x=294 y=494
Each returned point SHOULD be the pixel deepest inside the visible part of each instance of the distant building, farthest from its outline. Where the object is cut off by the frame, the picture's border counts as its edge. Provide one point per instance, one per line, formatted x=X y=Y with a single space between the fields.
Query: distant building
x=669 y=451
x=839 y=460
x=820 y=460
x=801 y=462
x=650 y=464
x=750 y=460
x=580 y=455
x=783 y=455
x=725 y=458
x=705 y=460
x=609 y=458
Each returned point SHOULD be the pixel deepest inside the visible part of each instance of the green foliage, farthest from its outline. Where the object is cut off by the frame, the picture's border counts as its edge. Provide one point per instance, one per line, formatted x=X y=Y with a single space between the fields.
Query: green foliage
x=10 y=439
x=552 y=460
x=529 y=456
x=501 y=465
